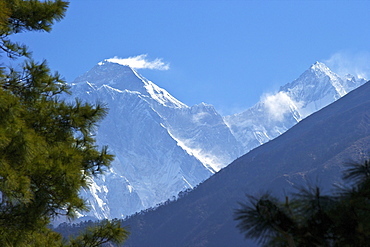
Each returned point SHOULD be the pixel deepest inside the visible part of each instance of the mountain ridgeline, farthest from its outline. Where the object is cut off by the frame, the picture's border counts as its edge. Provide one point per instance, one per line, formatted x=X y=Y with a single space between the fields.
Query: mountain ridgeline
x=163 y=147
x=312 y=152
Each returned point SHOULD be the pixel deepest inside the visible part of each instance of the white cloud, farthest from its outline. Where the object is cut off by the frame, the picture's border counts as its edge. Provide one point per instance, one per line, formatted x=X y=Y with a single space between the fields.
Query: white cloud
x=345 y=62
x=141 y=62
x=277 y=105
x=198 y=118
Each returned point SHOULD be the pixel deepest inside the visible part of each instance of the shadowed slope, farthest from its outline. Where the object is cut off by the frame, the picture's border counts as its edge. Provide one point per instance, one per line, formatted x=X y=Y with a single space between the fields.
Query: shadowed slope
x=314 y=148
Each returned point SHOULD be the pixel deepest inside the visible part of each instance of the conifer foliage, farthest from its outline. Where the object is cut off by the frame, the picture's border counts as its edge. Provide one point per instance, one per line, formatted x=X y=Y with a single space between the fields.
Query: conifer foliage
x=47 y=150
x=310 y=218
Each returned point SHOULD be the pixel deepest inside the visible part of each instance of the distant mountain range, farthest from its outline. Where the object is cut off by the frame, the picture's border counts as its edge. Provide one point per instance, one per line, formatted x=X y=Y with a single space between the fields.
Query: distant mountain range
x=312 y=152
x=163 y=146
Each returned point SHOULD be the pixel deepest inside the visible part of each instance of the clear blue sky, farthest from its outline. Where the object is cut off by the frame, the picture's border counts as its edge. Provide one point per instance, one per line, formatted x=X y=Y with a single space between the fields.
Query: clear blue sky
x=225 y=53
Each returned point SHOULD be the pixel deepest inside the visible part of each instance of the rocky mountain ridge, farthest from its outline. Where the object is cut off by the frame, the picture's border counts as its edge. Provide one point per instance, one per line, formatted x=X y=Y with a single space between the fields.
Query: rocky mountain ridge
x=163 y=146
x=312 y=153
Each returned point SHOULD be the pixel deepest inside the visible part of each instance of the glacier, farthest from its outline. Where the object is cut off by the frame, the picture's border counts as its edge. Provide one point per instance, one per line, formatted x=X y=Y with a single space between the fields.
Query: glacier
x=163 y=147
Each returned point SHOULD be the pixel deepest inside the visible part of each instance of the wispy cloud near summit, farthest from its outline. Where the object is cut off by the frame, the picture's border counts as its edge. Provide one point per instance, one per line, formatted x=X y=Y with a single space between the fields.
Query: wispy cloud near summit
x=141 y=62
x=279 y=104
x=345 y=62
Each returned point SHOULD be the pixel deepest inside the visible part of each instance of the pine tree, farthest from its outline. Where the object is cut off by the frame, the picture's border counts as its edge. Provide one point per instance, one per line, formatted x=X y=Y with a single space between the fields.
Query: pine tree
x=47 y=147
x=310 y=218
x=99 y=234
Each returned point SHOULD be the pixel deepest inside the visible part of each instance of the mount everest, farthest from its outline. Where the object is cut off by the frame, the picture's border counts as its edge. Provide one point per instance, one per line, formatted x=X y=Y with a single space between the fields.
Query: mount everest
x=163 y=146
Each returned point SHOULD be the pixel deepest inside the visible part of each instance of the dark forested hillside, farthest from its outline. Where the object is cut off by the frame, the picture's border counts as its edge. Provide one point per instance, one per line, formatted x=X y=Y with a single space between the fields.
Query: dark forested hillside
x=313 y=151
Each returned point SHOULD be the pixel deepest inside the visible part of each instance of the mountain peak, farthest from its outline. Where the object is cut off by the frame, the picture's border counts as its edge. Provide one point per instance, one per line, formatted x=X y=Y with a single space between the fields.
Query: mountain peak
x=321 y=67
x=109 y=67
x=113 y=61
x=123 y=77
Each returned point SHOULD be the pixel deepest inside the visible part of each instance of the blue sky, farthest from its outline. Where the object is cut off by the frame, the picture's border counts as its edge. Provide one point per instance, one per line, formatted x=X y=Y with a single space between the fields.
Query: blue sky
x=225 y=53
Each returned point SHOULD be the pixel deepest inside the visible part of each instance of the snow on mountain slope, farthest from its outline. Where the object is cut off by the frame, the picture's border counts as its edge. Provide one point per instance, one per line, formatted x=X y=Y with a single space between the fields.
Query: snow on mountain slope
x=203 y=132
x=318 y=86
x=154 y=159
x=163 y=146
x=275 y=113
x=120 y=77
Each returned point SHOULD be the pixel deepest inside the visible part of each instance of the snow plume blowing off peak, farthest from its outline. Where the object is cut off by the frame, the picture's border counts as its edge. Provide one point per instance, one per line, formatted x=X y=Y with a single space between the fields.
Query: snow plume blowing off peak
x=140 y=62
x=344 y=63
x=279 y=104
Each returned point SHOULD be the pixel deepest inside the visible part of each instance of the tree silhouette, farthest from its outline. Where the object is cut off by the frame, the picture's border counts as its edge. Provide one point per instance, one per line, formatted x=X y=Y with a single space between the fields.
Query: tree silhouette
x=310 y=218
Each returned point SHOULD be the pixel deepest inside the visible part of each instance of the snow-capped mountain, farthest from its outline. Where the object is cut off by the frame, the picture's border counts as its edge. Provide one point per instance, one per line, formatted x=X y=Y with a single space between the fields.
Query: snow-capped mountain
x=316 y=88
x=312 y=153
x=163 y=146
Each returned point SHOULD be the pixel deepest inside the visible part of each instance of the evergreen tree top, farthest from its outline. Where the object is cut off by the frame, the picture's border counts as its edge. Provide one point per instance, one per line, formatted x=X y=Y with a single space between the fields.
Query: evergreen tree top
x=47 y=147
x=17 y=16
